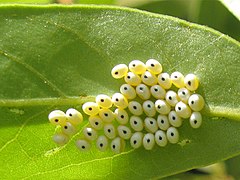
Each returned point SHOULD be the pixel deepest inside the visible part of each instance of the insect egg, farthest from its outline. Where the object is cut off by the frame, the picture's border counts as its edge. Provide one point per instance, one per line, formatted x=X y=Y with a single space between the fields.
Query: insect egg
x=136 y=123
x=102 y=143
x=191 y=82
x=172 y=135
x=150 y=124
x=177 y=79
x=148 y=141
x=117 y=145
x=74 y=116
x=132 y=79
x=148 y=78
x=90 y=108
x=121 y=116
x=154 y=66
x=183 y=110
x=161 y=138
x=135 y=108
x=143 y=91
x=106 y=115
x=172 y=98
x=57 y=117
x=96 y=122
x=184 y=94
x=195 y=120
x=119 y=71
x=104 y=101
x=119 y=100
x=196 y=102
x=69 y=129
x=163 y=123
x=109 y=131
x=149 y=108
x=174 y=119
x=162 y=106
x=158 y=92
x=128 y=91
x=90 y=134
x=137 y=67
x=60 y=139
x=136 y=140
x=164 y=80
x=83 y=145
x=124 y=132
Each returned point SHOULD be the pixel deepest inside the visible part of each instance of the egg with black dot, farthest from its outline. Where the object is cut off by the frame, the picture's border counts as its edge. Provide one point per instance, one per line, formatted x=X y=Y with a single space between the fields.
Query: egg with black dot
x=91 y=108
x=83 y=145
x=102 y=143
x=136 y=140
x=119 y=71
x=137 y=67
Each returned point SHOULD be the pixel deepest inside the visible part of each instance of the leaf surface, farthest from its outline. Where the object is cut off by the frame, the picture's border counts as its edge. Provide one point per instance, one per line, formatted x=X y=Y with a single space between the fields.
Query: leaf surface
x=57 y=57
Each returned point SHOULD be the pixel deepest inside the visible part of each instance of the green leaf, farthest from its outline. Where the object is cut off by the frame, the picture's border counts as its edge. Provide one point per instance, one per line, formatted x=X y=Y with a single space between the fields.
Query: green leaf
x=233 y=6
x=56 y=57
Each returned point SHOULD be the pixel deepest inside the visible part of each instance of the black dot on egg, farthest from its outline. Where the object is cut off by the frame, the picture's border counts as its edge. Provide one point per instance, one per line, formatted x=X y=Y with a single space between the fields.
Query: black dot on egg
x=148 y=140
x=179 y=108
x=172 y=134
x=56 y=120
x=70 y=114
x=141 y=88
x=90 y=109
x=125 y=88
x=109 y=130
x=124 y=132
x=90 y=134
x=192 y=102
x=101 y=144
x=170 y=98
x=114 y=146
x=128 y=77
x=175 y=77
x=162 y=121
x=149 y=106
x=183 y=93
x=134 y=142
x=155 y=89
x=160 y=138
x=159 y=107
x=151 y=122
x=195 y=121
x=65 y=127
x=116 y=73
x=189 y=83
x=135 y=122
x=96 y=123
x=163 y=79
x=134 y=65
x=83 y=147
x=134 y=107
x=102 y=100
x=173 y=117
x=145 y=76
x=117 y=99
x=152 y=65
x=106 y=114
x=122 y=116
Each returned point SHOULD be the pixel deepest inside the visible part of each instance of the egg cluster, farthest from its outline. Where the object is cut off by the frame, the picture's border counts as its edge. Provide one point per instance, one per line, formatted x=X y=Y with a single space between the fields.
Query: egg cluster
x=146 y=111
x=67 y=122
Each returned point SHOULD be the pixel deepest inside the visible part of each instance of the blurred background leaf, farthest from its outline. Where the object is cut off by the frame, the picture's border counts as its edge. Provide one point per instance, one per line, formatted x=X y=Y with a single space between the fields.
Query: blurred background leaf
x=233 y=6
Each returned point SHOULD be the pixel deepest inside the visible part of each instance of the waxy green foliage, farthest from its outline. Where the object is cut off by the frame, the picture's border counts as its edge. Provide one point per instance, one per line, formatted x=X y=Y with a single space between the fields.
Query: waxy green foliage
x=57 y=57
